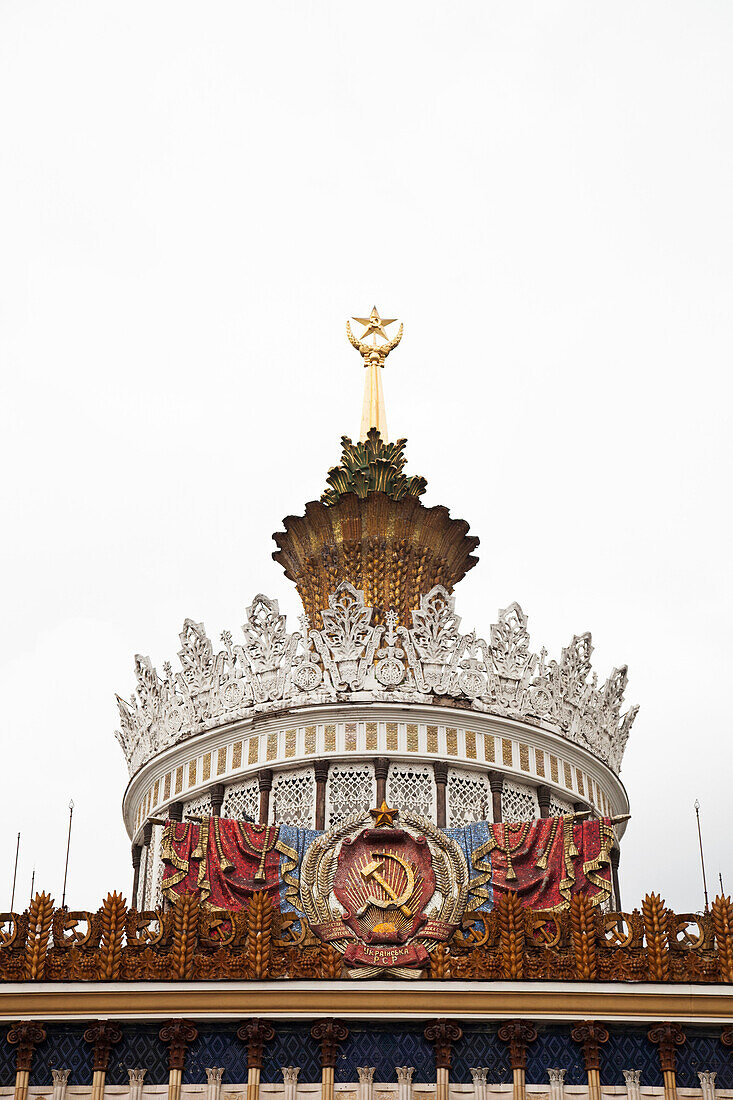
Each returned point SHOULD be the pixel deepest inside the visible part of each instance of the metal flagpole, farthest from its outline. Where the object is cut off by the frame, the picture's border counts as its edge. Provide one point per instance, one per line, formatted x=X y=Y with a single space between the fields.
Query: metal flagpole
x=720 y=880
x=68 y=845
x=33 y=882
x=15 y=873
x=702 y=857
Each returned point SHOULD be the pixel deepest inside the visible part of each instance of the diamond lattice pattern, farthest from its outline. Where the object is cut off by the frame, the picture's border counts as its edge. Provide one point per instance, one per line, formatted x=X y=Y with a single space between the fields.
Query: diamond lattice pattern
x=198 y=807
x=469 y=798
x=559 y=806
x=412 y=788
x=242 y=801
x=518 y=802
x=351 y=790
x=293 y=798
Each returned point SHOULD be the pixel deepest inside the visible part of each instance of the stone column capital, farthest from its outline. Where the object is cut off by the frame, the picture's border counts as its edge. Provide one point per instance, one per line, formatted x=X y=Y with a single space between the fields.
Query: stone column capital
x=443 y=1034
x=591 y=1035
x=256 y=1033
x=440 y=768
x=518 y=1033
x=329 y=1033
x=666 y=1036
x=381 y=767
x=217 y=792
x=178 y=1034
x=26 y=1035
x=103 y=1035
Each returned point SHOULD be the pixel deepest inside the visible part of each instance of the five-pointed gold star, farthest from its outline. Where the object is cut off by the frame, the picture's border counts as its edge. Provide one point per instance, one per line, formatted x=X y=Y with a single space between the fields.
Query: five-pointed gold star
x=382 y=814
x=375 y=325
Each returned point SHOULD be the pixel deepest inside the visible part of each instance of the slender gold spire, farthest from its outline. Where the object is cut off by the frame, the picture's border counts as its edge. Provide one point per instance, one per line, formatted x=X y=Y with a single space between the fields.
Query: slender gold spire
x=373 y=414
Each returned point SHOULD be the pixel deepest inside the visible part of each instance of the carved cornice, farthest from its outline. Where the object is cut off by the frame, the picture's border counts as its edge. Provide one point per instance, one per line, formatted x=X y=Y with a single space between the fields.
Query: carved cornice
x=443 y=1034
x=178 y=1034
x=330 y=1034
x=354 y=659
x=104 y=1036
x=666 y=1036
x=26 y=1034
x=256 y=1034
x=517 y=1033
x=591 y=1035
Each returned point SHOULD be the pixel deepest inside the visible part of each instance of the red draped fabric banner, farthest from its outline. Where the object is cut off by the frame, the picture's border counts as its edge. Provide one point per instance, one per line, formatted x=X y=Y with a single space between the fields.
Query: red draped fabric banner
x=221 y=860
x=546 y=861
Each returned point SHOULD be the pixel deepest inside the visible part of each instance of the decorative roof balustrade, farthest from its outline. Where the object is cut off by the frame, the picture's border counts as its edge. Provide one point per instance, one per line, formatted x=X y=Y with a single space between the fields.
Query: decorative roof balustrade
x=510 y=943
x=352 y=658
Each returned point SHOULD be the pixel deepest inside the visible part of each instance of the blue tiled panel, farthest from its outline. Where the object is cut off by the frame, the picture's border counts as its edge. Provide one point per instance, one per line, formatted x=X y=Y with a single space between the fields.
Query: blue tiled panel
x=216 y=1046
x=629 y=1048
x=384 y=1048
x=140 y=1048
x=7 y=1058
x=703 y=1050
x=292 y=1046
x=554 y=1048
x=480 y=1046
x=64 y=1048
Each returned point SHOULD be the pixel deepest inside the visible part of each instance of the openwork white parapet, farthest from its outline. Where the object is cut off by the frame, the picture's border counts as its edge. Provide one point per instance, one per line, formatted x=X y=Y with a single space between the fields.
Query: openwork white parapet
x=350 y=658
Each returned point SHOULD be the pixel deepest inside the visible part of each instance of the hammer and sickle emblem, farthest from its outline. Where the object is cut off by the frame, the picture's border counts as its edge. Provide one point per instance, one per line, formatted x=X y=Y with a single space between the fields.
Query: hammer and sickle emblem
x=373 y=871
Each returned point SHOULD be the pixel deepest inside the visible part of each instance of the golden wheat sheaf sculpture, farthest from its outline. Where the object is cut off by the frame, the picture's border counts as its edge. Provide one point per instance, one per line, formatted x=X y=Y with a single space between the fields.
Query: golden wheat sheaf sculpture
x=394 y=551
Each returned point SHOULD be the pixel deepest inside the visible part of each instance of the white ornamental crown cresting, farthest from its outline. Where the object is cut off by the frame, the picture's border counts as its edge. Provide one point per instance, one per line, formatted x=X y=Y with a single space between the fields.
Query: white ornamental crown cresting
x=351 y=658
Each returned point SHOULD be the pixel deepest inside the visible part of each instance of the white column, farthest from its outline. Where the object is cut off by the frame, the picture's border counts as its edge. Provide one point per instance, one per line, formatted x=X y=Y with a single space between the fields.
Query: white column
x=136 y=1083
x=632 y=1078
x=404 y=1082
x=213 y=1082
x=366 y=1082
x=707 y=1084
x=557 y=1083
x=290 y=1077
x=60 y=1081
x=478 y=1076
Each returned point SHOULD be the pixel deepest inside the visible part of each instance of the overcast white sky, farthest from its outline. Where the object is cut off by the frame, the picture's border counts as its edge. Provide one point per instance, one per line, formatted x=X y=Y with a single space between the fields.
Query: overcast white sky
x=194 y=198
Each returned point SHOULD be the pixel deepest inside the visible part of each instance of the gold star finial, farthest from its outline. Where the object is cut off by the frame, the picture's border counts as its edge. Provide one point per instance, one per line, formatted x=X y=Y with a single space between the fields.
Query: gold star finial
x=383 y=814
x=375 y=325
x=374 y=355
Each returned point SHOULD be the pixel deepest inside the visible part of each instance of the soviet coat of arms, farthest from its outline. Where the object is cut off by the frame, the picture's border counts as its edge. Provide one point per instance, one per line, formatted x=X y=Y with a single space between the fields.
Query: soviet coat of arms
x=384 y=896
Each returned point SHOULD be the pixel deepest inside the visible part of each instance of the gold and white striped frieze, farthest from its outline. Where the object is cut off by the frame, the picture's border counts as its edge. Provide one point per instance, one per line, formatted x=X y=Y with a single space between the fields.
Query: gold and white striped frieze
x=519 y=752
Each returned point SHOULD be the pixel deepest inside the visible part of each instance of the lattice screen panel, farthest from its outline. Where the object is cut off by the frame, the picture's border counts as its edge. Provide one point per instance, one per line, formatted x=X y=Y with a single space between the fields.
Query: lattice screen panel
x=154 y=868
x=351 y=790
x=156 y=892
x=293 y=798
x=242 y=800
x=519 y=802
x=559 y=806
x=468 y=797
x=140 y=899
x=412 y=788
x=198 y=807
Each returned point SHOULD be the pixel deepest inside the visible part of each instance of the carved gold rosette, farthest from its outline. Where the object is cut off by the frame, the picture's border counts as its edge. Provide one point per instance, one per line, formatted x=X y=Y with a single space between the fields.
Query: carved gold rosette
x=392 y=550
